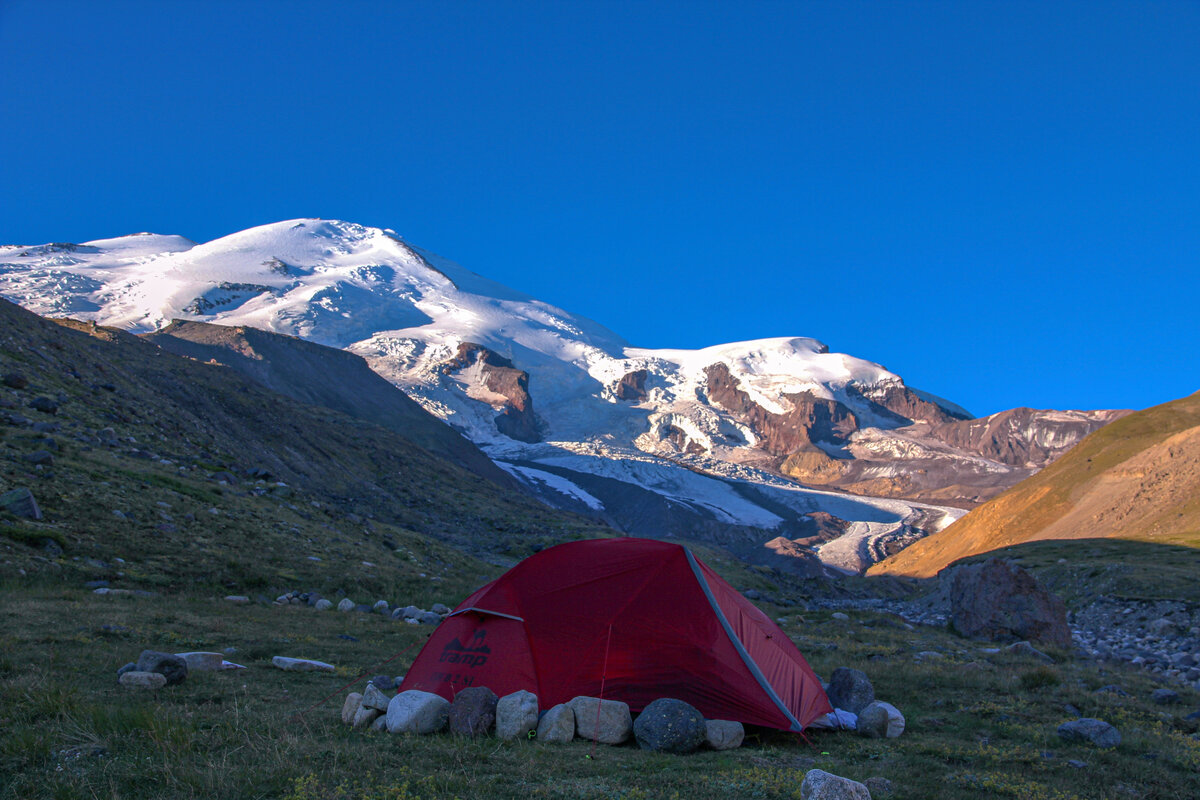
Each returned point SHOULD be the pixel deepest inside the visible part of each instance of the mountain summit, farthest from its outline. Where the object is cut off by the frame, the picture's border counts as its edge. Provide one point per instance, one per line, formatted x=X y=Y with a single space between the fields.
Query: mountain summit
x=776 y=441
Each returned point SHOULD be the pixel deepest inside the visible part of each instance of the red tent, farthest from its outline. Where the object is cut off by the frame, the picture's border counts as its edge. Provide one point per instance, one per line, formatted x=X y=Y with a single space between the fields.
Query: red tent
x=646 y=619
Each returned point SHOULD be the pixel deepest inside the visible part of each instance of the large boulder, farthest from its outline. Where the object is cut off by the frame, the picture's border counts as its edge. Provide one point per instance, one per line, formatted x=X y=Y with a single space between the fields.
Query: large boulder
x=850 y=689
x=44 y=404
x=516 y=714
x=880 y=721
x=605 y=721
x=724 y=734
x=473 y=712
x=1091 y=731
x=1000 y=601
x=416 y=711
x=169 y=665
x=669 y=726
x=821 y=785
x=557 y=726
x=20 y=502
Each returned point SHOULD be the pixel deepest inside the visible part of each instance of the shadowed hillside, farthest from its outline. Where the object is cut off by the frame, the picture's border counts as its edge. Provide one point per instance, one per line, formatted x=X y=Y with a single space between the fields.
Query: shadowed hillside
x=188 y=471
x=324 y=376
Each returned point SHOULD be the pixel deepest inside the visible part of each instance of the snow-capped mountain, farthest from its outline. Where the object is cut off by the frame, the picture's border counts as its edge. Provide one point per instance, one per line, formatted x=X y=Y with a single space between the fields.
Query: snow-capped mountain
x=659 y=442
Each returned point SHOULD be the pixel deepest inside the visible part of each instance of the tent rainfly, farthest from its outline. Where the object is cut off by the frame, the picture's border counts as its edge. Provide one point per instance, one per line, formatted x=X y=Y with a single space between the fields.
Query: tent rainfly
x=636 y=619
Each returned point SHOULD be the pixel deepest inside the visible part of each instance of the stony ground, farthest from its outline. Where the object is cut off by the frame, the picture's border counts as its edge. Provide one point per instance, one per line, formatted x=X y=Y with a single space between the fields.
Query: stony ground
x=979 y=723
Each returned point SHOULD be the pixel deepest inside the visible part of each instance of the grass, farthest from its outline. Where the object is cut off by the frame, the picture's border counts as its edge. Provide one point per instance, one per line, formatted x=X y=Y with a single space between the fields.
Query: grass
x=1080 y=570
x=978 y=724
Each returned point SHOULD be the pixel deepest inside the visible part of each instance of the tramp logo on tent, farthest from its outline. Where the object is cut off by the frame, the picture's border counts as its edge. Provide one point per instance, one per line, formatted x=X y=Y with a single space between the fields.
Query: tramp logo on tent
x=473 y=655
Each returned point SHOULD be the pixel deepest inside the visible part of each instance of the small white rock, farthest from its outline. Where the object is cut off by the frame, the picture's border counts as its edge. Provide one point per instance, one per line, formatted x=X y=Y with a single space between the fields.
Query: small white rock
x=143 y=680
x=365 y=717
x=350 y=707
x=301 y=664
x=723 y=734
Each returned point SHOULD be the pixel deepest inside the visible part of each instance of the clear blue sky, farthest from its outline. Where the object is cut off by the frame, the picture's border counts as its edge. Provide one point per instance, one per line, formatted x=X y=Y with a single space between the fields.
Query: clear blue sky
x=998 y=201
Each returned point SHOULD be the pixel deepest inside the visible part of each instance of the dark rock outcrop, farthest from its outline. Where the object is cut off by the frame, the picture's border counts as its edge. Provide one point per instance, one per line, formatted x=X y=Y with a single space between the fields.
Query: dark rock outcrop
x=901 y=404
x=516 y=419
x=1021 y=436
x=632 y=386
x=1000 y=601
x=914 y=447
x=810 y=418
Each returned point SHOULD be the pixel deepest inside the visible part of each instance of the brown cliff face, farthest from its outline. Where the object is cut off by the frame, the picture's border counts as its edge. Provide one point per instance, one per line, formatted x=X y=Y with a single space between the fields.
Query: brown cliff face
x=931 y=455
x=516 y=419
x=814 y=467
x=784 y=434
x=902 y=404
x=1022 y=436
x=631 y=386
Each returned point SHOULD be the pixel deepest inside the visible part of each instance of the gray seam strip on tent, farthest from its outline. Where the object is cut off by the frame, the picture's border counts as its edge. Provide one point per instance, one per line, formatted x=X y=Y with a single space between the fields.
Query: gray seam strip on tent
x=485 y=611
x=750 y=664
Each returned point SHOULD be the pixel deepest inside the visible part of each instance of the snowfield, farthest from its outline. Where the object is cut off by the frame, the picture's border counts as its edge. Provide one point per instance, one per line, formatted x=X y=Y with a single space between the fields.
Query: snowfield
x=407 y=311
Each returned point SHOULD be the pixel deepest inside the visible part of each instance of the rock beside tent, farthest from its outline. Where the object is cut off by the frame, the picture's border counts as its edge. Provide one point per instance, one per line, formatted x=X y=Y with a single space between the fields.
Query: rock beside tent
x=1000 y=601
x=666 y=725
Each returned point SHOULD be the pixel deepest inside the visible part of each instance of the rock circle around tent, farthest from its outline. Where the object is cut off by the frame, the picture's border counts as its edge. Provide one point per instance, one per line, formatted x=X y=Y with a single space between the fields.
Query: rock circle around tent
x=665 y=725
